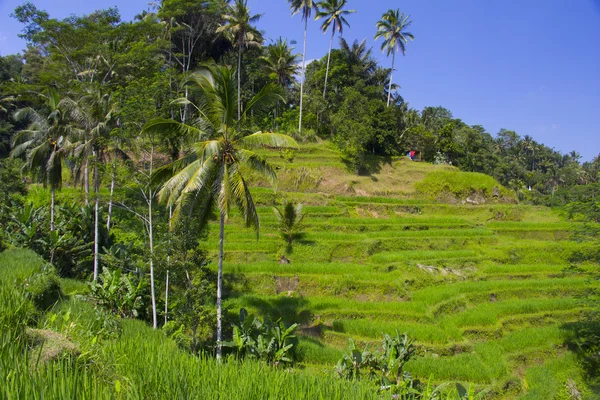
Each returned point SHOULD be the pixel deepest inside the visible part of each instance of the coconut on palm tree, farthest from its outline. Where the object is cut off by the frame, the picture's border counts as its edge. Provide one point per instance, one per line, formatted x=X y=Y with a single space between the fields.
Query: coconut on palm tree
x=241 y=32
x=305 y=7
x=333 y=12
x=211 y=174
x=44 y=143
x=392 y=28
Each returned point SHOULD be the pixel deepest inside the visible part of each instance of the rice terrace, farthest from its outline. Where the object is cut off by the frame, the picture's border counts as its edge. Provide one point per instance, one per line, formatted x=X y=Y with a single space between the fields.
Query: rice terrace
x=191 y=208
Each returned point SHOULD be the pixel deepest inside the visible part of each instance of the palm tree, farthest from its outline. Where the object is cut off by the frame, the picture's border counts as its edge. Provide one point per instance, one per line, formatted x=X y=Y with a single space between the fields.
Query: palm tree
x=282 y=63
x=44 y=143
x=95 y=112
x=242 y=33
x=358 y=58
x=333 y=12
x=392 y=28
x=305 y=7
x=211 y=173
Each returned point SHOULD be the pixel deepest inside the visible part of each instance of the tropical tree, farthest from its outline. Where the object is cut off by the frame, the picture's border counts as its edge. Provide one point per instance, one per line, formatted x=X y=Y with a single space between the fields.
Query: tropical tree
x=210 y=174
x=242 y=33
x=44 y=143
x=305 y=7
x=392 y=28
x=333 y=12
x=95 y=113
x=281 y=63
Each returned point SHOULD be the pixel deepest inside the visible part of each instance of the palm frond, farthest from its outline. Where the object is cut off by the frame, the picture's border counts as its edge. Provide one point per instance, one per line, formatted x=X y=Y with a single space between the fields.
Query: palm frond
x=257 y=164
x=260 y=139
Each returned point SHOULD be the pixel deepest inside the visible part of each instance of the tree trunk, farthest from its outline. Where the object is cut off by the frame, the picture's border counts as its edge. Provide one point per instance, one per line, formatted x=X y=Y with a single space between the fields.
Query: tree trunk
x=151 y=242
x=52 y=199
x=303 y=76
x=220 y=285
x=96 y=234
x=112 y=190
x=239 y=76
x=391 y=74
x=166 y=296
x=86 y=183
x=328 y=58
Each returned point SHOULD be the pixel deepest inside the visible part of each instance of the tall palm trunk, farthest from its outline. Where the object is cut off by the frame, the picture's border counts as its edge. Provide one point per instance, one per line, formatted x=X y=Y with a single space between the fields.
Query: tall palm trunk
x=239 y=77
x=112 y=190
x=166 y=296
x=303 y=75
x=96 y=233
x=52 y=198
x=220 y=285
x=328 y=58
x=151 y=241
x=391 y=74
x=86 y=183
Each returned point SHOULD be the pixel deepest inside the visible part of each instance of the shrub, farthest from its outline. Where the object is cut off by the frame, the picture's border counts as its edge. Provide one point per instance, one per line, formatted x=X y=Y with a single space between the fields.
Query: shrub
x=119 y=294
x=44 y=288
x=460 y=185
x=264 y=340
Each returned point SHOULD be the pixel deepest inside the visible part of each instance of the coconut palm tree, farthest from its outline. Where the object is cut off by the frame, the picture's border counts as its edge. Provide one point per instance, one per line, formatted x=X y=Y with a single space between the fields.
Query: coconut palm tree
x=242 y=33
x=210 y=174
x=282 y=63
x=392 y=27
x=333 y=12
x=305 y=7
x=95 y=113
x=44 y=143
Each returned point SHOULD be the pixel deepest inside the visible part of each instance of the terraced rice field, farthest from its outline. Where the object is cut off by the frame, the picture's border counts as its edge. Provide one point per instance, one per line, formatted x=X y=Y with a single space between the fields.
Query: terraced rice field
x=486 y=290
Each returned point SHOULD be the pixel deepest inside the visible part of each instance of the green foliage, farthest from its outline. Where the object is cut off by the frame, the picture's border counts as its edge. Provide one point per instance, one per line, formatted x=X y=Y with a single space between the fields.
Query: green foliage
x=460 y=185
x=385 y=365
x=263 y=340
x=120 y=294
x=44 y=288
x=290 y=222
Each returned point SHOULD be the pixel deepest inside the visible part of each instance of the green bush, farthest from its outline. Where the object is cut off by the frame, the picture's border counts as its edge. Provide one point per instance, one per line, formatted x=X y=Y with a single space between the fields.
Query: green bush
x=459 y=184
x=44 y=288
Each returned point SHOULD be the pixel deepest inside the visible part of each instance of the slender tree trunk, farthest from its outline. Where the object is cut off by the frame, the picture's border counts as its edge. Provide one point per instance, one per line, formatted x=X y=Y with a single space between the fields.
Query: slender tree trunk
x=391 y=74
x=86 y=183
x=328 y=58
x=239 y=76
x=96 y=211
x=166 y=296
x=303 y=76
x=52 y=199
x=151 y=241
x=220 y=285
x=112 y=190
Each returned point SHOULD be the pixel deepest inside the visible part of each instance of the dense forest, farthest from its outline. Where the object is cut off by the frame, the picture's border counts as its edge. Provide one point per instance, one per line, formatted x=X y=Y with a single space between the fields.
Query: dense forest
x=153 y=125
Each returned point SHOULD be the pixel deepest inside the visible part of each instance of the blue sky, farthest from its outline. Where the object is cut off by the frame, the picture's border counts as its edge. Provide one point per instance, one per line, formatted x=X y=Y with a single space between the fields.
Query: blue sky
x=532 y=66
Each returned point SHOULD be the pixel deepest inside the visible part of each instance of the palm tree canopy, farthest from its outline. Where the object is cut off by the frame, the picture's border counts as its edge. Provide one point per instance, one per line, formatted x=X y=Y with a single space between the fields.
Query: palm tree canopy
x=239 y=24
x=281 y=61
x=392 y=27
x=211 y=171
x=333 y=12
x=45 y=140
x=303 y=6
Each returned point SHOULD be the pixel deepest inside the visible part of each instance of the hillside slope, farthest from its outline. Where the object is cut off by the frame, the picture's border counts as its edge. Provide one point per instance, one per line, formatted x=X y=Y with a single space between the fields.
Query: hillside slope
x=485 y=289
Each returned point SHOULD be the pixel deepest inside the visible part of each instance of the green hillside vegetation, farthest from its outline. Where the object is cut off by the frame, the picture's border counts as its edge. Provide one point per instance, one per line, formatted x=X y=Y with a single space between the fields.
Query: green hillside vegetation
x=487 y=291
x=188 y=210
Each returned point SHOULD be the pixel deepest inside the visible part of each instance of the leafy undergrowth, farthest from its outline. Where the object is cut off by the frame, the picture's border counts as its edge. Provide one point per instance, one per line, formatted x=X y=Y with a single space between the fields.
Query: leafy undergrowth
x=125 y=361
